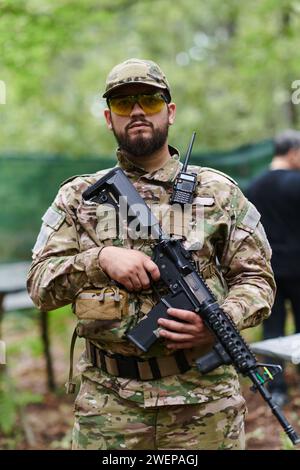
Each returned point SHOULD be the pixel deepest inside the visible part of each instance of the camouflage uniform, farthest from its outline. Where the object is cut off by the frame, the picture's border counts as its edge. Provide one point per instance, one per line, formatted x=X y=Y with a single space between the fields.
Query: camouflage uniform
x=66 y=263
x=179 y=410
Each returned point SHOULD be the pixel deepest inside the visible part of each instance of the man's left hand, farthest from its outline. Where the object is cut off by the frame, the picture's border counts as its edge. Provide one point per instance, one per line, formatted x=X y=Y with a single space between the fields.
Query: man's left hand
x=189 y=332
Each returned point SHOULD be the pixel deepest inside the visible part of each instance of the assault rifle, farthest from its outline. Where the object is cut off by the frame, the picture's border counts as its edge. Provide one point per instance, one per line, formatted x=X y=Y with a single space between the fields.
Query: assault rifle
x=186 y=290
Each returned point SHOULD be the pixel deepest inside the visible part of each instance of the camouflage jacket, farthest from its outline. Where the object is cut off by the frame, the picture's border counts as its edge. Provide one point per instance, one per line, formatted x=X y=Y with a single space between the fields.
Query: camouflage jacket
x=230 y=250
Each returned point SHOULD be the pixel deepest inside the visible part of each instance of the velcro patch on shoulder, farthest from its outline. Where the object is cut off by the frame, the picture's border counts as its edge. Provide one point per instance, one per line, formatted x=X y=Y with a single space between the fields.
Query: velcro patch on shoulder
x=250 y=219
x=52 y=220
x=54 y=217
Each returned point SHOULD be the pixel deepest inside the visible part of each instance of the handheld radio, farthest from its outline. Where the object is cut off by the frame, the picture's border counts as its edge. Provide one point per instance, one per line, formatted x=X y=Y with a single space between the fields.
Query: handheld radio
x=185 y=183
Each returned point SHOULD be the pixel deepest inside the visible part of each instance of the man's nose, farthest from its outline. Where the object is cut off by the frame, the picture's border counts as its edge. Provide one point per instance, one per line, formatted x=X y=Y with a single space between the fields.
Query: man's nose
x=137 y=110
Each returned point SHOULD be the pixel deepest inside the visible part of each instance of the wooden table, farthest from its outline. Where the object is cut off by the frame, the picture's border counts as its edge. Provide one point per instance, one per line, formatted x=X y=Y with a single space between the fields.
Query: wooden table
x=284 y=347
x=13 y=295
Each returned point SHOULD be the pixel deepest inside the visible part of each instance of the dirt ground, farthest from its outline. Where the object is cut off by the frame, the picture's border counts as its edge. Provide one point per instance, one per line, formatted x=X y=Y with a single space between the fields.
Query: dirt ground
x=263 y=431
x=47 y=425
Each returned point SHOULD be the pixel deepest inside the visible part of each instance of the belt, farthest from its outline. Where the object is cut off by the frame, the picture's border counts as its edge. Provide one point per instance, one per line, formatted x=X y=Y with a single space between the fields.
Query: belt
x=133 y=367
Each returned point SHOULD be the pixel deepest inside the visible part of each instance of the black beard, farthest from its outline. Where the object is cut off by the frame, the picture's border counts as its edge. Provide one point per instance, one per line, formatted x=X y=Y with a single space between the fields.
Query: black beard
x=140 y=146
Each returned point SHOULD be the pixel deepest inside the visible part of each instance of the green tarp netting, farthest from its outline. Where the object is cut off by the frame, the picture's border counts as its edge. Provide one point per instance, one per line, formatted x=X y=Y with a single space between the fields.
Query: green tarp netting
x=29 y=183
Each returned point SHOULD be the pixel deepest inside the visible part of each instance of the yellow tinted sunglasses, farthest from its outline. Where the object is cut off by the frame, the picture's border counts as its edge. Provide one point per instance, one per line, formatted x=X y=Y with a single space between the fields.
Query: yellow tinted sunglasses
x=123 y=105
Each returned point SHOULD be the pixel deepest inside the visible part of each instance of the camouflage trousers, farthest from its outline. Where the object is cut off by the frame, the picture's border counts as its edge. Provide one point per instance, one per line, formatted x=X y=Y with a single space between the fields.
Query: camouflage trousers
x=104 y=421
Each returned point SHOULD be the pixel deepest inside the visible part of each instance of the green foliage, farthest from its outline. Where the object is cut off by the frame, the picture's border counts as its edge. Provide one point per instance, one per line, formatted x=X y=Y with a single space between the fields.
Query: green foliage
x=286 y=444
x=65 y=443
x=24 y=341
x=230 y=64
x=62 y=321
x=23 y=187
x=12 y=401
x=252 y=335
x=8 y=407
x=21 y=323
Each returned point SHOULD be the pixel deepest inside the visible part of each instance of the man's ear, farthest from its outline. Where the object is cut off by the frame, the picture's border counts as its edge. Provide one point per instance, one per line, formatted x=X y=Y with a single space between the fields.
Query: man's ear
x=107 y=115
x=172 y=112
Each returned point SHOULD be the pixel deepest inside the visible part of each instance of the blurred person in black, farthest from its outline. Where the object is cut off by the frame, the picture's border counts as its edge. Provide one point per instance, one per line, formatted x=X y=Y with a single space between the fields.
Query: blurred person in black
x=276 y=194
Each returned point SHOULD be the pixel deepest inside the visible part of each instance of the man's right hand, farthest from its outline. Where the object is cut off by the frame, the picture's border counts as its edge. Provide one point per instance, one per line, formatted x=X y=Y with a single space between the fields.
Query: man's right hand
x=131 y=268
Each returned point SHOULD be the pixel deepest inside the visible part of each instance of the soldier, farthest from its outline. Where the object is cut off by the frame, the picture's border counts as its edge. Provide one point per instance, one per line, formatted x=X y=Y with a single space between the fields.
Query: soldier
x=129 y=399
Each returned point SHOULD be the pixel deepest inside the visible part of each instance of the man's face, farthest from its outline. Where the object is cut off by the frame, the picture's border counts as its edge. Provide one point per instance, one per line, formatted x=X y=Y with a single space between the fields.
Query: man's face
x=140 y=134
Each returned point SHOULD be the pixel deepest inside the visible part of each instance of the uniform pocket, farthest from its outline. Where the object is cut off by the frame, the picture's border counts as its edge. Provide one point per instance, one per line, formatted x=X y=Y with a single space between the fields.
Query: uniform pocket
x=108 y=303
x=104 y=314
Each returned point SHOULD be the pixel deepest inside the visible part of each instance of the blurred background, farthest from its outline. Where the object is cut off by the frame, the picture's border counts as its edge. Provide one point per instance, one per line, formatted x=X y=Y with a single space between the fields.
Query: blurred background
x=234 y=72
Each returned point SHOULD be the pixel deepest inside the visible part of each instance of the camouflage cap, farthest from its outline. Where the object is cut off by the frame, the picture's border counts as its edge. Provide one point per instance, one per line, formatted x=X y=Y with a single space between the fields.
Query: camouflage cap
x=136 y=71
